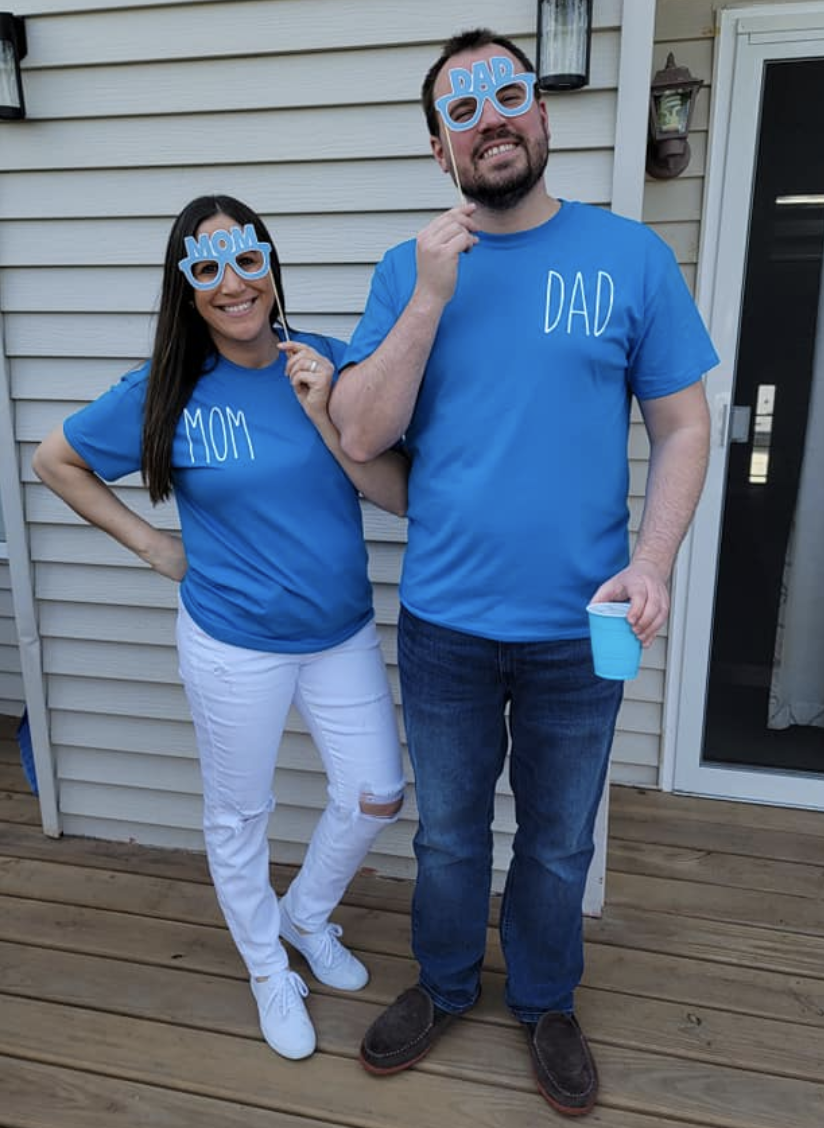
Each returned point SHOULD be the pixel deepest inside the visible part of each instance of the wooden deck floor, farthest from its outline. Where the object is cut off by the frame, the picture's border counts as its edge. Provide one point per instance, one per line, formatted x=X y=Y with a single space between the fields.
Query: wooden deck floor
x=124 y=1005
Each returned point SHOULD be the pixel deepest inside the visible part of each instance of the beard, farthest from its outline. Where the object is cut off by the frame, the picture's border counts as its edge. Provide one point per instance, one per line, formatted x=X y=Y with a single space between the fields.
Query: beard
x=507 y=189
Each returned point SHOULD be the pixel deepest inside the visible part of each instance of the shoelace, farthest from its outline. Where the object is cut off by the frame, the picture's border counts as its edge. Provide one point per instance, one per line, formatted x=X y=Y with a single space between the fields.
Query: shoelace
x=285 y=992
x=325 y=947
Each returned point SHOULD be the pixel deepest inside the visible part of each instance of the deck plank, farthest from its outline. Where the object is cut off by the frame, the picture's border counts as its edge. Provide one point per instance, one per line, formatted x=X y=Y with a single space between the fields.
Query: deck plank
x=720 y=903
x=764 y=843
x=742 y=989
x=677 y=863
x=23 y=841
x=324 y=1086
x=702 y=938
x=709 y=1034
x=11 y=778
x=19 y=807
x=47 y=1096
x=686 y=918
x=123 y=1000
x=328 y=1087
x=652 y=974
x=655 y=808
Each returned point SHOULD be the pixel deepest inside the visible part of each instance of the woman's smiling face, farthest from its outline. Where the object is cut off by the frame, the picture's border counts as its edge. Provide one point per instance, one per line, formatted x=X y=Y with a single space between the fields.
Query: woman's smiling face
x=238 y=310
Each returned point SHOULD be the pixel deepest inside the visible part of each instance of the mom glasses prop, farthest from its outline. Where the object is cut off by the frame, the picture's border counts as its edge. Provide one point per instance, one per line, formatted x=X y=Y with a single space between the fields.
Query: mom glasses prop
x=207 y=257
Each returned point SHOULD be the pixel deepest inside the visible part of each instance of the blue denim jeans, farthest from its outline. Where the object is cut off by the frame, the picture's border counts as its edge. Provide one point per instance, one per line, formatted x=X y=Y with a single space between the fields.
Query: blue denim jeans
x=561 y=721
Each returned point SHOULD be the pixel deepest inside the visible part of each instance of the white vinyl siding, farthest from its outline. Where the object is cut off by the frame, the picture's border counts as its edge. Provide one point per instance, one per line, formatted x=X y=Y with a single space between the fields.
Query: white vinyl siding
x=673 y=208
x=11 y=681
x=307 y=109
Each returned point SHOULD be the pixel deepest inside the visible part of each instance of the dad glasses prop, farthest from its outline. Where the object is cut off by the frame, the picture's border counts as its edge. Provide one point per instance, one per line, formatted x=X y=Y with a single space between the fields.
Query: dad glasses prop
x=494 y=81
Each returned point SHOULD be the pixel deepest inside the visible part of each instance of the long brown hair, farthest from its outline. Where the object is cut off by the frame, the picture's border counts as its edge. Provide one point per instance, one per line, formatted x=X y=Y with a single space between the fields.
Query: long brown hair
x=183 y=347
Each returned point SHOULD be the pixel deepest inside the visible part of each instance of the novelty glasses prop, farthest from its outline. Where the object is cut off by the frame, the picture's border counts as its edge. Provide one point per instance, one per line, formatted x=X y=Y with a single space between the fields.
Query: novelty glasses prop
x=207 y=257
x=494 y=81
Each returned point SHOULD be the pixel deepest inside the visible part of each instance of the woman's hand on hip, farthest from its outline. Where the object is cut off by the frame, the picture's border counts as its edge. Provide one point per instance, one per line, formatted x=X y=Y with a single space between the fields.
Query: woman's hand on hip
x=166 y=555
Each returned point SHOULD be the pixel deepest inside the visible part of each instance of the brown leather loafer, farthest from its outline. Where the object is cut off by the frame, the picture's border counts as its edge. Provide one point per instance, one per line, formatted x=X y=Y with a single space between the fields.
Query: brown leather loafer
x=405 y=1032
x=563 y=1064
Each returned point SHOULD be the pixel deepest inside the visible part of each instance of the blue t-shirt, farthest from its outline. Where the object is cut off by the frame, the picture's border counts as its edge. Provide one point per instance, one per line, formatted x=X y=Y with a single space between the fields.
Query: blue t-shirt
x=270 y=523
x=519 y=478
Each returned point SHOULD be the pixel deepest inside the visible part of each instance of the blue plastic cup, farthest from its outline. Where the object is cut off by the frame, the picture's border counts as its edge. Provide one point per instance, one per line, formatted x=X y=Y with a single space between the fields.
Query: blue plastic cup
x=616 y=652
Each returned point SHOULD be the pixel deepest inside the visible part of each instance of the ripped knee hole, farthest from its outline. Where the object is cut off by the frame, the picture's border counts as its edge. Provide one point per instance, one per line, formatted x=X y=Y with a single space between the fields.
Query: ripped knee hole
x=377 y=809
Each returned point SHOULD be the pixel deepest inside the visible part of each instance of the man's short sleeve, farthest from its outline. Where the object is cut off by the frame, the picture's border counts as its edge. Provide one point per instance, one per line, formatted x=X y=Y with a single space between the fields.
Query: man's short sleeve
x=673 y=349
x=391 y=289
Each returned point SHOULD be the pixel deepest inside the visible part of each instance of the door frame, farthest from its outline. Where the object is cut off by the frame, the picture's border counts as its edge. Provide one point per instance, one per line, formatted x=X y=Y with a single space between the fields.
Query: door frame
x=747 y=39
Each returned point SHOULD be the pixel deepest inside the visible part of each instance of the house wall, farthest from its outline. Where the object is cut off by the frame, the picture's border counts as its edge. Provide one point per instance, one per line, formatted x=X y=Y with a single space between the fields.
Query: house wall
x=674 y=208
x=308 y=111
x=11 y=681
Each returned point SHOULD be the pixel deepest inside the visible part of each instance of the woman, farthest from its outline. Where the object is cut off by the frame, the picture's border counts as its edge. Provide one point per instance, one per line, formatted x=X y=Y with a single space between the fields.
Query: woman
x=275 y=606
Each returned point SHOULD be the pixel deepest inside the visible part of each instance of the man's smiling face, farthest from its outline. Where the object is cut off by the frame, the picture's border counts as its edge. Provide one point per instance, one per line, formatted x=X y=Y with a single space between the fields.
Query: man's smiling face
x=502 y=155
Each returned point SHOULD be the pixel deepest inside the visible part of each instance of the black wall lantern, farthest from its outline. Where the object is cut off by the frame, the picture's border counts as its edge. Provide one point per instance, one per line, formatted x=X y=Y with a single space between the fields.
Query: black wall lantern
x=12 y=50
x=564 y=37
x=671 y=100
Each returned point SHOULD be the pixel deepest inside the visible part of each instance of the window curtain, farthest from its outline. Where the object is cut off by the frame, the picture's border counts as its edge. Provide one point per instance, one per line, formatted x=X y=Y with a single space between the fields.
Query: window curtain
x=797 y=688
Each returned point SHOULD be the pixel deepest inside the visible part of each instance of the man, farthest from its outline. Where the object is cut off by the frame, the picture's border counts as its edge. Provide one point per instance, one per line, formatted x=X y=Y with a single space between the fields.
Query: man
x=504 y=346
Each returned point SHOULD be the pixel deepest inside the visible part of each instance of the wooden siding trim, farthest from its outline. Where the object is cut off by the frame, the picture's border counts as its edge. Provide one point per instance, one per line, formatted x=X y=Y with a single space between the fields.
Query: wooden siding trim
x=637 y=28
x=25 y=683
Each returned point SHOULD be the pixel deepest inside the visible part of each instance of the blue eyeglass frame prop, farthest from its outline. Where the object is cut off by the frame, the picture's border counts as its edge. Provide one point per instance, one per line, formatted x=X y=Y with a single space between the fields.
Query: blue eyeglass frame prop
x=223 y=248
x=483 y=83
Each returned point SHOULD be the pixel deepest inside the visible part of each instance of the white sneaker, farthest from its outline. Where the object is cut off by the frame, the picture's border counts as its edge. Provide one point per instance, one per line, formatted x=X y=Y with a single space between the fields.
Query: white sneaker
x=330 y=962
x=284 y=1020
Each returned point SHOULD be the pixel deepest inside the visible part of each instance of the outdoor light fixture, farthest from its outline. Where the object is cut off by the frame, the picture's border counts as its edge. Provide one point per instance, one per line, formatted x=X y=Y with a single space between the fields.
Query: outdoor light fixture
x=671 y=100
x=12 y=50
x=564 y=36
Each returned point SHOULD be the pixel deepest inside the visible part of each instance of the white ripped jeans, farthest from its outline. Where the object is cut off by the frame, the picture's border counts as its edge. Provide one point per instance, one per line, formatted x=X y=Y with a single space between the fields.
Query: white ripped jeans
x=239 y=700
